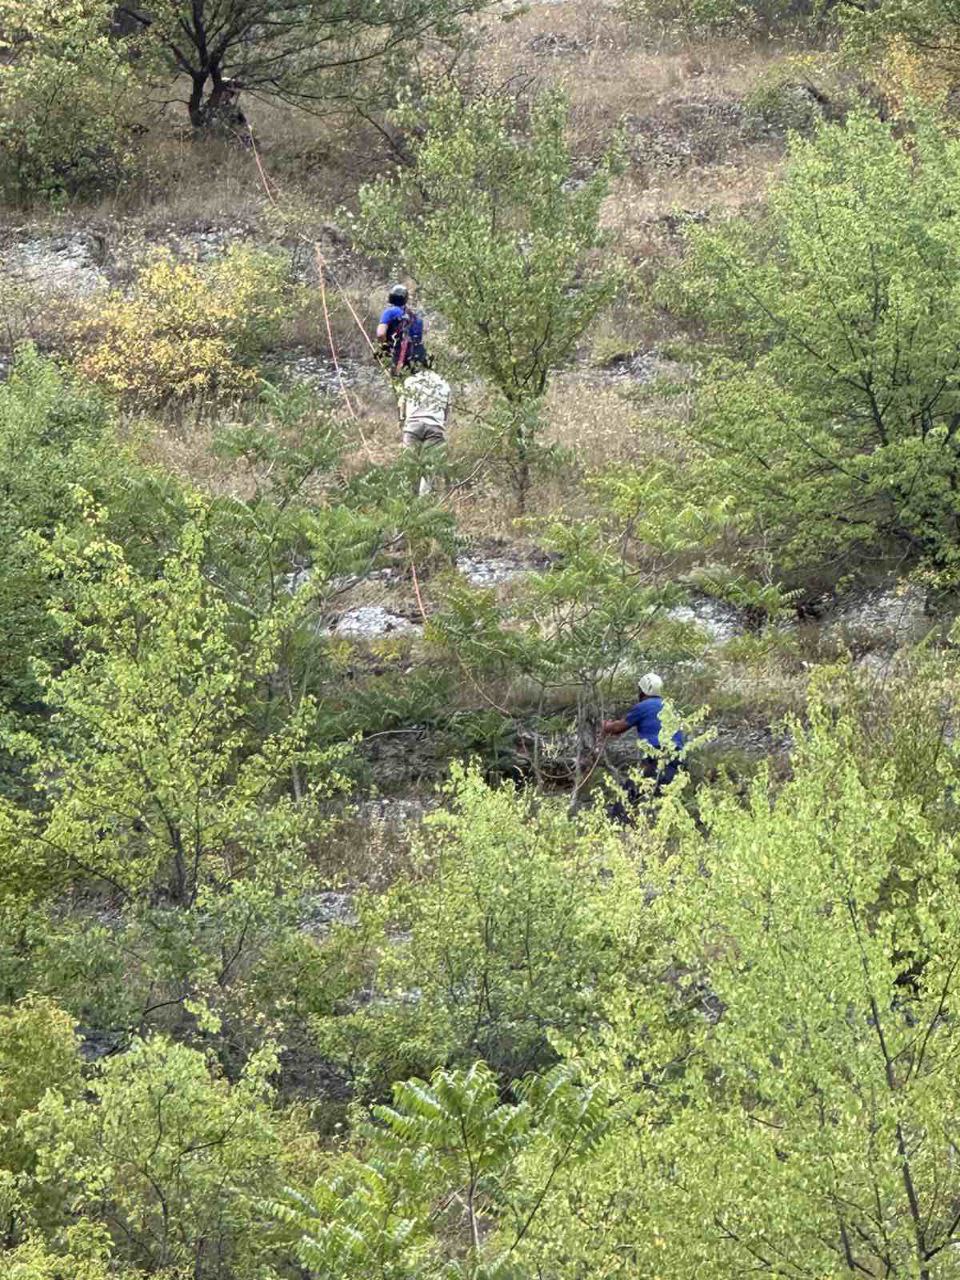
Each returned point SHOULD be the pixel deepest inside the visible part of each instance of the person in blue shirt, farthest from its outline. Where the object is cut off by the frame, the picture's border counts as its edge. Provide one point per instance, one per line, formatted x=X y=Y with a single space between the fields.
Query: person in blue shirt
x=400 y=331
x=644 y=716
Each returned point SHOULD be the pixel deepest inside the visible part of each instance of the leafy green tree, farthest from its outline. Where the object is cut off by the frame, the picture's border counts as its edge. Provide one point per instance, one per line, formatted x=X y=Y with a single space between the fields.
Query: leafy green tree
x=308 y=52
x=493 y=222
x=831 y=413
x=806 y=1124
x=67 y=99
x=171 y=1159
x=438 y=1171
x=152 y=783
x=55 y=434
x=182 y=675
x=517 y=925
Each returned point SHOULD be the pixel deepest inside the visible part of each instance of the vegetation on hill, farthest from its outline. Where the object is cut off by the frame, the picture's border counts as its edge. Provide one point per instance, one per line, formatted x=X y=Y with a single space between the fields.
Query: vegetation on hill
x=342 y=935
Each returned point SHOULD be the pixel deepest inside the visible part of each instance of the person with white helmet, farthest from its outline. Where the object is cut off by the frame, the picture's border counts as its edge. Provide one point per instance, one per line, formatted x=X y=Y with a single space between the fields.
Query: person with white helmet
x=644 y=716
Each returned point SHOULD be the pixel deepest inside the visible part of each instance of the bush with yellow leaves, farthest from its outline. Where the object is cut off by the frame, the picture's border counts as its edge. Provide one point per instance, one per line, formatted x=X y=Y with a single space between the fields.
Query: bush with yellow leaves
x=187 y=331
x=910 y=74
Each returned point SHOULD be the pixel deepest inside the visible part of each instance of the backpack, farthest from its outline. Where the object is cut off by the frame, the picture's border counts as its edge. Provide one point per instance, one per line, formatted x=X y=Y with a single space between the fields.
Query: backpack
x=406 y=341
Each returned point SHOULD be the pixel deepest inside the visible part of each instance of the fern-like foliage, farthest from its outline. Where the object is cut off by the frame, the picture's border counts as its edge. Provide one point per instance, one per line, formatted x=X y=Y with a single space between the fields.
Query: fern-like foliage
x=448 y=1180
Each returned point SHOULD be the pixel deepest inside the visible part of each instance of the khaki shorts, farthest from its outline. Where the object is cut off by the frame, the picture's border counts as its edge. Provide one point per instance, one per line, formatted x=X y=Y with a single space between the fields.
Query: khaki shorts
x=423 y=433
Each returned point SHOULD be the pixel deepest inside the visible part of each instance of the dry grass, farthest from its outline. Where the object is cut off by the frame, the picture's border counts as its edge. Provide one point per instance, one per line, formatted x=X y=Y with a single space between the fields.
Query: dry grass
x=320 y=161
x=601 y=427
x=184 y=448
x=30 y=314
x=592 y=421
x=606 y=63
x=675 y=106
x=645 y=211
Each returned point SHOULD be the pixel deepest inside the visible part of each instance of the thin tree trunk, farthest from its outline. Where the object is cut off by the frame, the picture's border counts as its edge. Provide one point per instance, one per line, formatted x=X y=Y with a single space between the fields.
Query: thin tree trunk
x=195 y=104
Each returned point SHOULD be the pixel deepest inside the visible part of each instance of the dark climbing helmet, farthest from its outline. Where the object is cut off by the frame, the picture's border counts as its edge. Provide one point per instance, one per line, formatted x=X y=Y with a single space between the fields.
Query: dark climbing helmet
x=398 y=295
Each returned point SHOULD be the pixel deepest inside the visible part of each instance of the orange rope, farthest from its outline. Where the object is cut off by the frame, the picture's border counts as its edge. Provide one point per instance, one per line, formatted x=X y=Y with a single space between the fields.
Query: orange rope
x=263 y=176
x=333 y=348
x=416 y=588
x=321 y=273
x=336 y=363
x=321 y=264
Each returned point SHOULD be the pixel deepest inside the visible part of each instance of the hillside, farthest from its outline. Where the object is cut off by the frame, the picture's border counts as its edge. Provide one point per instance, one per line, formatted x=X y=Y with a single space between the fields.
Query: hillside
x=489 y=814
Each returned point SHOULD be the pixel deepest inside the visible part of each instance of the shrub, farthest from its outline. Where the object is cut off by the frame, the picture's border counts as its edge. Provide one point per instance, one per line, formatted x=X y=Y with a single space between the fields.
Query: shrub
x=518 y=926
x=833 y=409
x=83 y=1256
x=911 y=73
x=786 y=101
x=170 y=1158
x=689 y=16
x=187 y=331
x=439 y=1172
x=67 y=100
x=38 y=1051
x=911 y=46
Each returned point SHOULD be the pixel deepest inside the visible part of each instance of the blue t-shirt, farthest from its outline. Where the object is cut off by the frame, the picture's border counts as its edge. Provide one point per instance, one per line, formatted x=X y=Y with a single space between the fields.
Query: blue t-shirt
x=392 y=317
x=392 y=314
x=645 y=718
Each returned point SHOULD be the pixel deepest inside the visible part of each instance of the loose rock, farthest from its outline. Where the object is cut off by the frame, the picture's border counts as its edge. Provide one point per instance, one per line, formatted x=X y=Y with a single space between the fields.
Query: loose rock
x=66 y=263
x=370 y=621
x=720 y=621
x=490 y=572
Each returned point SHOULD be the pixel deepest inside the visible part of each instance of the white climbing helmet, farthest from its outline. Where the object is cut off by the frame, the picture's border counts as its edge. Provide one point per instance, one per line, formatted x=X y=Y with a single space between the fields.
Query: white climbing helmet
x=651 y=684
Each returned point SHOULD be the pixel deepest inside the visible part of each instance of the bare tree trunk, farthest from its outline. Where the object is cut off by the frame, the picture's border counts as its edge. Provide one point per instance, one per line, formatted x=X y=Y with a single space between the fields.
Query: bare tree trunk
x=521 y=447
x=222 y=98
x=195 y=104
x=587 y=749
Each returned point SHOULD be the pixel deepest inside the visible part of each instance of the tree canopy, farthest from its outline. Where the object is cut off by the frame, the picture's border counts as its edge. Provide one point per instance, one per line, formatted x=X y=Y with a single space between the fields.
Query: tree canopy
x=494 y=222
x=831 y=411
x=313 y=53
